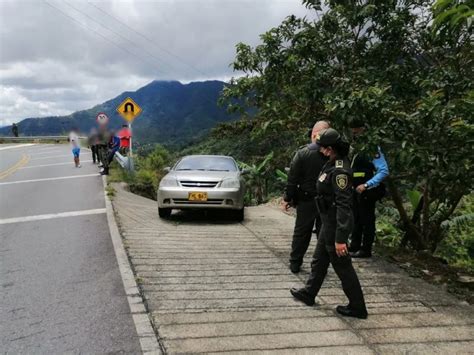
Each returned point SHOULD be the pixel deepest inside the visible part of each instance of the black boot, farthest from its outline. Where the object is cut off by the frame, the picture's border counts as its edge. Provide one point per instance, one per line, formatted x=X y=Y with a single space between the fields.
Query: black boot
x=303 y=296
x=346 y=311
x=362 y=254
x=295 y=268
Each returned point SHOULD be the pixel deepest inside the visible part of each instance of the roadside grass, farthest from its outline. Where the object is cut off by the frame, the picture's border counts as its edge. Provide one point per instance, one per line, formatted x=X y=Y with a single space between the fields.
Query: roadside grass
x=451 y=266
x=110 y=191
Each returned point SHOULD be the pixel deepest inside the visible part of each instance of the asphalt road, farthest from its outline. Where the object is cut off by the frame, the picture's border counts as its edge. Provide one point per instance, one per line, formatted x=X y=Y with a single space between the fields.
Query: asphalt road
x=60 y=286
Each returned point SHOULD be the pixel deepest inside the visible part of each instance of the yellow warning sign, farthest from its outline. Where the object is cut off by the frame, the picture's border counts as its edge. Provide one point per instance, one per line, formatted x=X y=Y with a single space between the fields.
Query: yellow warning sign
x=129 y=109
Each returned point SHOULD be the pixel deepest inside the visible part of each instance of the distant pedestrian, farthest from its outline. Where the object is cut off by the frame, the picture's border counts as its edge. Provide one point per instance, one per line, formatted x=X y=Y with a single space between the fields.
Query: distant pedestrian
x=75 y=145
x=94 y=145
x=15 y=130
x=125 y=136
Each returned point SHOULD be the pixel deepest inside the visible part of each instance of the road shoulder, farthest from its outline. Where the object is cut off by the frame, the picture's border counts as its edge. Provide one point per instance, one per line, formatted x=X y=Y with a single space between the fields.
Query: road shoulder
x=212 y=286
x=146 y=335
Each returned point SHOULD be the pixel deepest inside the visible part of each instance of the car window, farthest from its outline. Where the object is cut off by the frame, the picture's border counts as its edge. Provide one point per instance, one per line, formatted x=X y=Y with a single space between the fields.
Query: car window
x=206 y=164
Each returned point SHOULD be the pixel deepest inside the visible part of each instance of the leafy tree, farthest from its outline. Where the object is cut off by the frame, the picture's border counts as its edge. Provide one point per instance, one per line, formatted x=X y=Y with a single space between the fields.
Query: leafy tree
x=388 y=63
x=257 y=178
x=451 y=15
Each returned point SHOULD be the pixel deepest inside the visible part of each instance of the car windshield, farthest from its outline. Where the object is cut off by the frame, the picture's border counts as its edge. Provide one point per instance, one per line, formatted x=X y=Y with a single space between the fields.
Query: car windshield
x=206 y=164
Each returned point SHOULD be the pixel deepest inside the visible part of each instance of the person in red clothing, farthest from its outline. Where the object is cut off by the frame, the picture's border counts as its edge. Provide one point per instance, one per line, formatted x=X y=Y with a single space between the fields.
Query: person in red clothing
x=125 y=136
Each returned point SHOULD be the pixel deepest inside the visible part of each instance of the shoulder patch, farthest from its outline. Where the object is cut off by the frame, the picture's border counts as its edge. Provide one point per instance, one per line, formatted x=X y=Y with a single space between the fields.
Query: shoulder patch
x=342 y=181
x=339 y=163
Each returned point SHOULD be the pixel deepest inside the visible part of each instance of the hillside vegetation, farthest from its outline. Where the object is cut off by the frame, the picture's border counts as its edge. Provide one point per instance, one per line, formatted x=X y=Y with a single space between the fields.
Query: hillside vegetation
x=173 y=114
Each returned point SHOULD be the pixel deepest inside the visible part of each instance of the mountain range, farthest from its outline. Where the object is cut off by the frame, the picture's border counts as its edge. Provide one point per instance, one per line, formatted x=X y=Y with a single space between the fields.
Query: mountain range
x=173 y=114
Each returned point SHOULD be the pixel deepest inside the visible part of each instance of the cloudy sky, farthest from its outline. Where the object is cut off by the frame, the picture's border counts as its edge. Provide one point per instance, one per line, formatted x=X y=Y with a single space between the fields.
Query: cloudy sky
x=58 y=56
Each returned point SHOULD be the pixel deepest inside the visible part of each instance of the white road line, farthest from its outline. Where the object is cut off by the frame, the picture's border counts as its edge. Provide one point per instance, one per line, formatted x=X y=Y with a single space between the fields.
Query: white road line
x=46 y=149
x=54 y=156
x=48 y=179
x=41 y=166
x=16 y=146
x=52 y=216
x=35 y=154
x=146 y=335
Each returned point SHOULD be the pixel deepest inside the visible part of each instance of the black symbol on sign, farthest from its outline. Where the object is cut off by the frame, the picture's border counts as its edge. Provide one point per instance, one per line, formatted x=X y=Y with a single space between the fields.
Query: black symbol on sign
x=127 y=105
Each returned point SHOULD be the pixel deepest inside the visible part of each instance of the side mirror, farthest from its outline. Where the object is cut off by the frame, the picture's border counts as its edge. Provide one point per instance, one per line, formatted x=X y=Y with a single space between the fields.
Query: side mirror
x=167 y=169
x=244 y=171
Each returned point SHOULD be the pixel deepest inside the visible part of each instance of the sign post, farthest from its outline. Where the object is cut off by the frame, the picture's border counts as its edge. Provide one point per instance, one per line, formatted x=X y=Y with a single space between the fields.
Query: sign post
x=129 y=110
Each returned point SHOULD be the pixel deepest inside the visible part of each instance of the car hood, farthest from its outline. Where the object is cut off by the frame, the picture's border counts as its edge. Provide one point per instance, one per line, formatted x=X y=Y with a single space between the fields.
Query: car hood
x=197 y=175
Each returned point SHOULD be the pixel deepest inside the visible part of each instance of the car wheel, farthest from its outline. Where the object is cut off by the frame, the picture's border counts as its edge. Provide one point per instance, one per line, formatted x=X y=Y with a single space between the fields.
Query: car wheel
x=164 y=212
x=239 y=215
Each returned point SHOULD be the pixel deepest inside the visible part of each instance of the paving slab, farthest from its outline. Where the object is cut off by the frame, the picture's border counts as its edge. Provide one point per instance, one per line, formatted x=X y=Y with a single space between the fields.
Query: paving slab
x=211 y=286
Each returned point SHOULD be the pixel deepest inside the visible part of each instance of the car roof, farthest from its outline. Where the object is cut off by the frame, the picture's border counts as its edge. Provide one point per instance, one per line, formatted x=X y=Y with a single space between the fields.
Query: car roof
x=207 y=156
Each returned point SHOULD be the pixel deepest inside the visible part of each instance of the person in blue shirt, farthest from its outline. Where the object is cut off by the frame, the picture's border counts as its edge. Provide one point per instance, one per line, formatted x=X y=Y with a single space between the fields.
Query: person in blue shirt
x=369 y=172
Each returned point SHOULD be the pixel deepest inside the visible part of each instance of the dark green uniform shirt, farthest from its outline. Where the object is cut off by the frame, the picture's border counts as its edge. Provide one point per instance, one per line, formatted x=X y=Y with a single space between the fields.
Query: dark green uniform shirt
x=334 y=198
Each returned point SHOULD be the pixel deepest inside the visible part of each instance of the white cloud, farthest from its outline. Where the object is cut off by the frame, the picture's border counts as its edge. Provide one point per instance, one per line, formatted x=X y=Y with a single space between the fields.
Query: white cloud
x=52 y=65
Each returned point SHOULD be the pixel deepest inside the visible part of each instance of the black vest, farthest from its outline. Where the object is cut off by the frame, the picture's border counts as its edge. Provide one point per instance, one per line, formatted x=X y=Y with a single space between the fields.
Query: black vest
x=362 y=169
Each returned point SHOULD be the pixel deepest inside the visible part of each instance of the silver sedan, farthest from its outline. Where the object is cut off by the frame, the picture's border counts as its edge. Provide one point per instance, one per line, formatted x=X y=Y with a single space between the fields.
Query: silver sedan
x=202 y=181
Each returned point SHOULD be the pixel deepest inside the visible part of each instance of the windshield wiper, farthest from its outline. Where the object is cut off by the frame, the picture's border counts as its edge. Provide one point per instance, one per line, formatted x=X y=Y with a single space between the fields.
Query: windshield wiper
x=190 y=169
x=217 y=170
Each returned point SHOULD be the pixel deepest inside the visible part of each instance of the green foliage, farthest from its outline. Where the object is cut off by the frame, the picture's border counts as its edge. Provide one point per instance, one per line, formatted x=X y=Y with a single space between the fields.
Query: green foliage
x=414 y=198
x=458 y=246
x=144 y=183
x=149 y=172
x=257 y=179
x=156 y=160
x=451 y=15
x=281 y=176
x=386 y=63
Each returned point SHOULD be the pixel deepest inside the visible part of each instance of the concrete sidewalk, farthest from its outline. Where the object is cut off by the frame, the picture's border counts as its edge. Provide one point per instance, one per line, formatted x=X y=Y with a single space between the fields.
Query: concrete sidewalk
x=213 y=285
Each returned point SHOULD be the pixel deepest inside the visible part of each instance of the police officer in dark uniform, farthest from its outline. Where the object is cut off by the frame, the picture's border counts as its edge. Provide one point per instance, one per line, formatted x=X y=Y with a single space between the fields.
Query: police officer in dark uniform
x=334 y=201
x=368 y=175
x=300 y=192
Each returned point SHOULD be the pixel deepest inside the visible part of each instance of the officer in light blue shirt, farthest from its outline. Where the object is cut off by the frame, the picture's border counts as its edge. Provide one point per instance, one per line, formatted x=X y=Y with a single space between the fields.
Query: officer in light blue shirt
x=369 y=172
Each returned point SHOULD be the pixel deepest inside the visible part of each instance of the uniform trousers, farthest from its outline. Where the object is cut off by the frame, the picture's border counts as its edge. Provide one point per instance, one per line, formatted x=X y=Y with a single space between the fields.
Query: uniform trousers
x=95 y=152
x=103 y=155
x=306 y=214
x=324 y=255
x=363 y=235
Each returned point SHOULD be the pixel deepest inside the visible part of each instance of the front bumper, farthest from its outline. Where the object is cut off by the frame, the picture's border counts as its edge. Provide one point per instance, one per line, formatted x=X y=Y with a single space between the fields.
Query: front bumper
x=217 y=198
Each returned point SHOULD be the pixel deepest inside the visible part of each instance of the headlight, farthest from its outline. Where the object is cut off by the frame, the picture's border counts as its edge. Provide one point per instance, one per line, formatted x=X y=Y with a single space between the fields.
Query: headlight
x=168 y=182
x=231 y=183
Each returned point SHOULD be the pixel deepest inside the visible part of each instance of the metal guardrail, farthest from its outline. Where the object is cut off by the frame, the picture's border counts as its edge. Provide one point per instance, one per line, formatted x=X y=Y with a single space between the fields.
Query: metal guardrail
x=35 y=139
x=124 y=161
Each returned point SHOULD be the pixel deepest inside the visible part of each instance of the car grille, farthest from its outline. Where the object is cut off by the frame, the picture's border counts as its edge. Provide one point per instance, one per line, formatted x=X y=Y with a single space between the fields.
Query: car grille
x=184 y=201
x=205 y=184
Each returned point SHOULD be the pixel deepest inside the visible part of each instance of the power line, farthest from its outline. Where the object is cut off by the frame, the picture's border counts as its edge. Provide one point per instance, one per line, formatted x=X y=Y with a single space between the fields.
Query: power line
x=149 y=40
x=118 y=34
x=100 y=35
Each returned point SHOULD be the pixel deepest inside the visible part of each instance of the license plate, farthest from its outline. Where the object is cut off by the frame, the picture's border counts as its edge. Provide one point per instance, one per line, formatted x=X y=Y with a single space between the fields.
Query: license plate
x=197 y=196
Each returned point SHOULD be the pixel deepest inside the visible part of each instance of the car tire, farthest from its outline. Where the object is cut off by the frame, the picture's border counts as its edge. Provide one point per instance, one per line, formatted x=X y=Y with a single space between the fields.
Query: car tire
x=164 y=212
x=239 y=215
